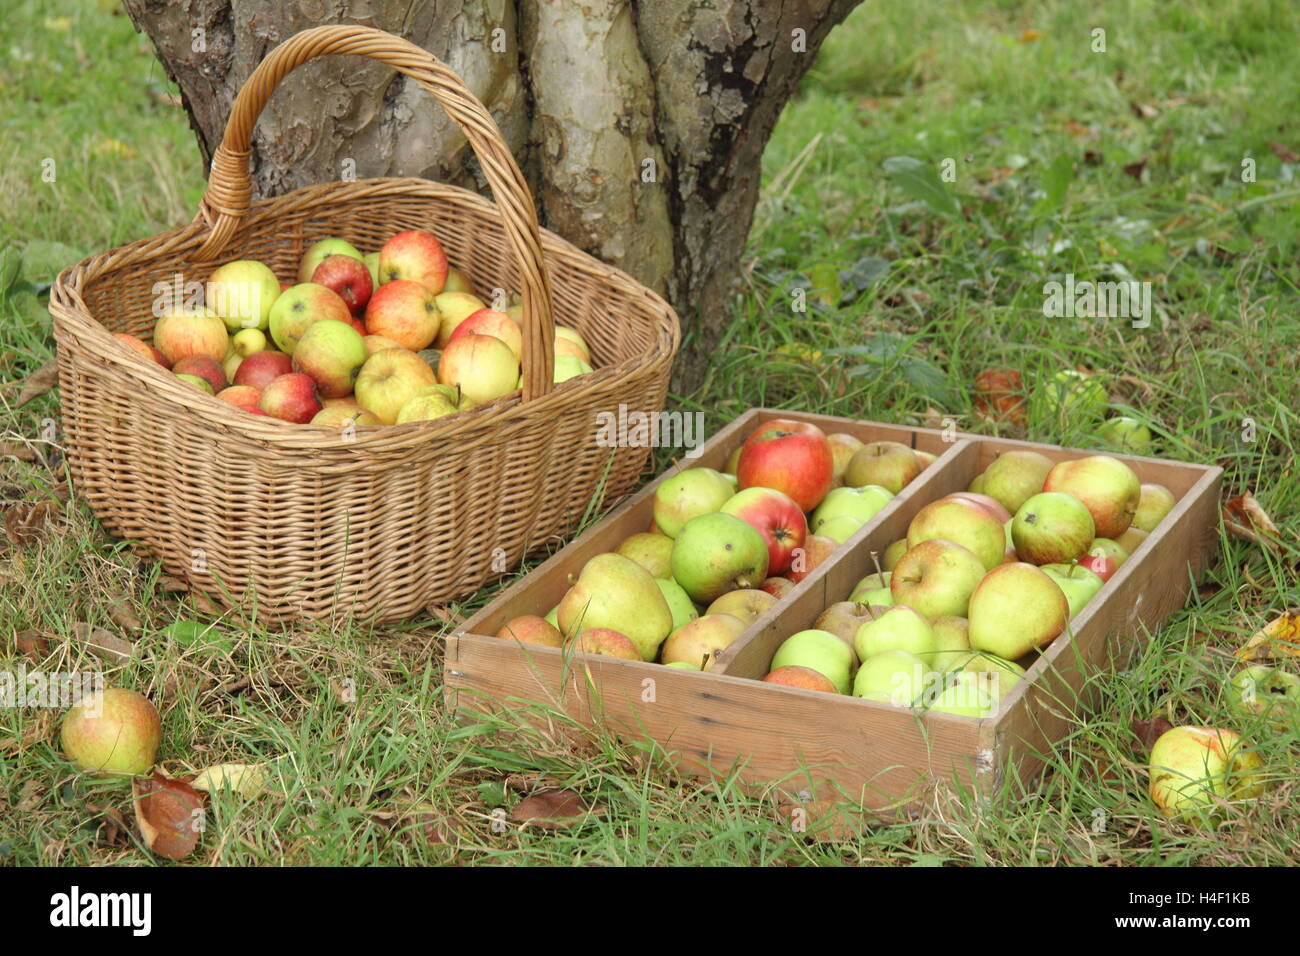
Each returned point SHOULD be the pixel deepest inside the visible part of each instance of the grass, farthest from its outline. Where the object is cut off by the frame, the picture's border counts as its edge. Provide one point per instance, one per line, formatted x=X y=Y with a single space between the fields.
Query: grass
x=1039 y=128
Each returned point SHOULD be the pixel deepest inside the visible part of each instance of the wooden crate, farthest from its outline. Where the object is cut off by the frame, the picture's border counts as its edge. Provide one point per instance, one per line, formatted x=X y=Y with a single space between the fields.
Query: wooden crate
x=814 y=748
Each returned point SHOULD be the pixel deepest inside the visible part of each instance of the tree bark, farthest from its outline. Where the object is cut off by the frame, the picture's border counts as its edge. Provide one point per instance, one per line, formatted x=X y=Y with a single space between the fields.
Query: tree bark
x=640 y=124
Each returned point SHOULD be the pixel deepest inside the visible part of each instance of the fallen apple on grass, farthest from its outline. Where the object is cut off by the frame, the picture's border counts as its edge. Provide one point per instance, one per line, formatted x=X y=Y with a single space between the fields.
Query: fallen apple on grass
x=1194 y=771
x=1126 y=434
x=1269 y=692
x=112 y=731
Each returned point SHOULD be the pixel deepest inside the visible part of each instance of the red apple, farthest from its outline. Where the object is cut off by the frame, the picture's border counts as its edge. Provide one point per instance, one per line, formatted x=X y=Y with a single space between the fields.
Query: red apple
x=793 y=675
x=348 y=278
x=1101 y=566
x=260 y=368
x=531 y=629
x=775 y=516
x=991 y=505
x=143 y=348
x=405 y=312
x=607 y=642
x=416 y=256
x=496 y=324
x=243 y=397
x=204 y=367
x=180 y=333
x=816 y=549
x=778 y=587
x=291 y=398
x=793 y=457
x=319 y=252
x=1107 y=487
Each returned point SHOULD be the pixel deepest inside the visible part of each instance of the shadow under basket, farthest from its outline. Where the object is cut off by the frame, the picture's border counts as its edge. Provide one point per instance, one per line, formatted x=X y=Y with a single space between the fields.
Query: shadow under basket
x=307 y=522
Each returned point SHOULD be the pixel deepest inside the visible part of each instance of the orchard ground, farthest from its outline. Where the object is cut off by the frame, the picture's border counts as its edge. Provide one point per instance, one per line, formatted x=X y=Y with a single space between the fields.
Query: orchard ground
x=1067 y=160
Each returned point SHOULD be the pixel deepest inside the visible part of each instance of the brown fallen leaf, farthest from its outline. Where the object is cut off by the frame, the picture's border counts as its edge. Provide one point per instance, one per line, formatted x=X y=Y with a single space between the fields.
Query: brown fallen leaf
x=170 y=815
x=1283 y=153
x=1136 y=169
x=31 y=644
x=103 y=644
x=120 y=613
x=551 y=808
x=1244 y=517
x=30 y=795
x=1280 y=637
x=1149 y=731
x=37 y=384
x=1143 y=111
x=113 y=825
x=13 y=449
x=1029 y=36
x=26 y=523
x=169 y=582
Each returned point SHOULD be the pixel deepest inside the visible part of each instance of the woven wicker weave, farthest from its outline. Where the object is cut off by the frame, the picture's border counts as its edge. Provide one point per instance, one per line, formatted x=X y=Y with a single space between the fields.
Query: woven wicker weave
x=297 y=521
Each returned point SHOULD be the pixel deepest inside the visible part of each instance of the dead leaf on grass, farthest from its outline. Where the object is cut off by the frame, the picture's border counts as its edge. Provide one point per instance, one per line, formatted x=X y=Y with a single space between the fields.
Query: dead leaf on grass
x=1136 y=169
x=170 y=815
x=103 y=644
x=26 y=523
x=1244 y=517
x=120 y=613
x=13 y=449
x=1283 y=153
x=37 y=384
x=1149 y=731
x=552 y=808
x=32 y=645
x=1280 y=637
x=1143 y=111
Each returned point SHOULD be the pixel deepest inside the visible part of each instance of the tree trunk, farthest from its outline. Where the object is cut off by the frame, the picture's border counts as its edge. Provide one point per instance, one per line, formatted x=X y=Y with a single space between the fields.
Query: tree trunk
x=640 y=125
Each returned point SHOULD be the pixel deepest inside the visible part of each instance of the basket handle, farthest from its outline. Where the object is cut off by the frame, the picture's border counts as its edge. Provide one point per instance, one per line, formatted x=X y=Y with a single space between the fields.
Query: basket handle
x=226 y=201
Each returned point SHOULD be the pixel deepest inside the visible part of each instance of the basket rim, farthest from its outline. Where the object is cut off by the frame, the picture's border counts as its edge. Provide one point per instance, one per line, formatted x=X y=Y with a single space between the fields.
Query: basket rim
x=73 y=318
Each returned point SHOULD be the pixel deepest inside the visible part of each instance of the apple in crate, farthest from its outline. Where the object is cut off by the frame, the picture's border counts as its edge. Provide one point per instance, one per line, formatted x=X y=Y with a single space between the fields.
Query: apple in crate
x=988 y=503
x=1131 y=540
x=201 y=366
x=792 y=675
x=332 y=353
x=962 y=522
x=966 y=695
x=748 y=604
x=1103 y=567
x=680 y=605
x=861 y=504
x=346 y=277
x=694 y=492
x=531 y=629
x=615 y=592
x=181 y=333
x=416 y=256
x=389 y=379
x=952 y=642
x=318 y=252
x=1015 y=609
x=840 y=529
x=717 y=553
x=816 y=549
x=1192 y=770
x=1015 y=477
x=298 y=307
x=893 y=677
x=404 y=312
x=937 y=578
x=777 y=517
x=843 y=448
x=455 y=308
x=778 y=587
x=793 y=457
x=1052 y=528
x=481 y=366
x=1107 y=487
x=258 y=369
x=496 y=324
x=242 y=293
x=843 y=619
x=699 y=643
x=820 y=650
x=894 y=628
x=606 y=642
x=654 y=552
x=243 y=397
x=893 y=554
x=1154 y=502
x=291 y=398
x=142 y=348
x=889 y=464
x=1106 y=548
x=1006 y=674
x=1077 y=583
x=112 y=731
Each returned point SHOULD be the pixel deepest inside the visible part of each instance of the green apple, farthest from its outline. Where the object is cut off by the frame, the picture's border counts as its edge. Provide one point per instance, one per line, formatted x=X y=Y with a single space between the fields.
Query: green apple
x=937 y=578
x=617 y=593
x=242 y=294
x=967 y=694
x=1015 y=609
x=1074 y=395
x=1272 y=693
x=694 y=492
x=1051 y=528
x=1015 y=477
x=820 y=650
x=680 y=604
x=748 y=604
x=371 y=259
x=1078 y=583
x=1194 y=769
x=717 y=553
x=872 y=581
x=877 y=597
x=1126 y=434
x=247 y=341
x=1106 y=548
x=112 y=731
x=892 y=553
x=894 y=677
x=1108 y=488
x=654 y=552
x=840 y=529
x=332 y=353
x=860 y=503
x=951 y=641
x=842 y=619
x=1154 y=502
x=886 y=464
x=320 y=251
x=894 y=628
x=1007 y=673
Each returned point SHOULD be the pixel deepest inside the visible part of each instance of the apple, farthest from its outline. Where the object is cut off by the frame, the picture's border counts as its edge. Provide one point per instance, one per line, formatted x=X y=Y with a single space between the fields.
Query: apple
x=937 y=578
x=565 y=334
x=777 y=517
x=895 y=628
x=889 y=464
x=388 y=380
x=989 y=504
x=202 y=367
x=142 y=348
x=843 y=618
x=1077 y=583
x=962 y=522
x=247 y=342
x=862 y=504
x=414 y=255
x=967 y=694
x=1014 y=477
x=793 y=457
x=821 y=651
x=894 y=677
x=1101 y=566
x=242 y=396
x=1269 y=692
x=241 y=293
x=701 y=641
x=1075 y=395
x=1016 y=608
x=201 y=384
x=291 y=398
x=689 y=494
x=456 y=281
x=843 y=448
x=717 y=553
x=341 y=415
x=1006 y=674
x=952 y=642
x=733 y=460
x=926 y=458
x=748 y=604
x=320 y=251
x=377 y=343
x=1052 y=528
x=892 y=553
x=433 y=401
x=1107 y=487
x=654 y=552
x=332 y=353
x=1131 y=540
x=455 y=308
x=348 y=278
x=404 y=312
x=566 y=367
x=531 y=629
x=680 y=605
x=816 y=549
x=778 y=587
x=1194 y=769
x=483 y=367
x=300 y=306
x=371 y=259
x=1106 y=548
x=179 y=334
x=1154 y=502
x=792 y=675
x=879 y=597
x=112 y=731
x=606 y=642
x=1126 y=434
x=499 y=326
x=878 y=579
x=258 y=369
x=976 y=485
x=840 y=529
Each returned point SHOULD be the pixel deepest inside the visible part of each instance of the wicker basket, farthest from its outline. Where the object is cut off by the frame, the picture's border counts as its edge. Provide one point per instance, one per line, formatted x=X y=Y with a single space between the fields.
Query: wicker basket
x=297 y=521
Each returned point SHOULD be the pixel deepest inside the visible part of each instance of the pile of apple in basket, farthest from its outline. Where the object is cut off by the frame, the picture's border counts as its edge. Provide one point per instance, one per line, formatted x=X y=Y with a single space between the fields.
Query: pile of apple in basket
x=350 y=342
